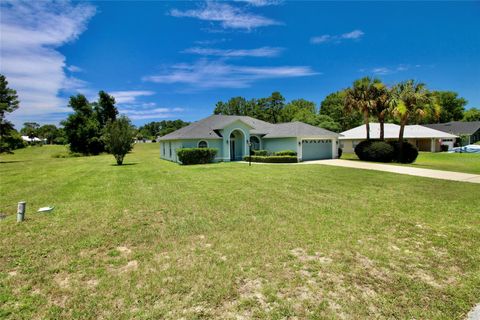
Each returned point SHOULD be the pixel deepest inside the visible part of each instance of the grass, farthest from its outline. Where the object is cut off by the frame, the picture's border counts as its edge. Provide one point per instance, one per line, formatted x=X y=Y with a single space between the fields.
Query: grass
x=153 y=239
x=459 y=162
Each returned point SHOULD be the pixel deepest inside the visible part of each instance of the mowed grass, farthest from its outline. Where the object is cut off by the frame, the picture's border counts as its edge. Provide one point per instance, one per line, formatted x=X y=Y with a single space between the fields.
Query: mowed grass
x=459 y=162
x=155 y=240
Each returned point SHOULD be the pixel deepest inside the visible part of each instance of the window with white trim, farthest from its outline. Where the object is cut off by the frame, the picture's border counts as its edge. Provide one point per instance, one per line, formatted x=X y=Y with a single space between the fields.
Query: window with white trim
x=203 y=144
x=255 y=142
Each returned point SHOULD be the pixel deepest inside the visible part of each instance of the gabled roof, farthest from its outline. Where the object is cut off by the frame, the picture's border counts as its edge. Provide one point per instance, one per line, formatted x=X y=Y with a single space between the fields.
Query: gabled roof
x=209 y=127
x=456 y=127
x=392 y=130
x=298 y=129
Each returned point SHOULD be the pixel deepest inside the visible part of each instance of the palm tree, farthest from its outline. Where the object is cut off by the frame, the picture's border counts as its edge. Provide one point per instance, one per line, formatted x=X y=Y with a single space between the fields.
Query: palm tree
x=360 y=97
x=411 y=100
x=384 y=101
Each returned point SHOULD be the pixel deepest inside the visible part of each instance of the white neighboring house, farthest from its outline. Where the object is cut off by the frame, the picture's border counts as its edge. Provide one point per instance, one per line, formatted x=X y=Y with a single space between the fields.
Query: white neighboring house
x=425 y=139
x=33 y=140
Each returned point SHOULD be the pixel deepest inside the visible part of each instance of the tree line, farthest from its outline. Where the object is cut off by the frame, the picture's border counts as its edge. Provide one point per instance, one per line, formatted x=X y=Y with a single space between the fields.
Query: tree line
x=365 y=101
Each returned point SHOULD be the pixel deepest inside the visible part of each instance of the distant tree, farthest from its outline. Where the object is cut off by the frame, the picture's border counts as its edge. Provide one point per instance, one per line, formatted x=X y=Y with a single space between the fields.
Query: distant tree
x=334 y=107
x=325 y=122
x=118 y=138
x=82 y=129
x=273 y=107
x=412 y=100
x=152 y=130
x=472 y=114
x=8 y=103
x=299 y=108
x=30 y=129
x=452 y=106
x=360 y=97
x=49 y=132
x=105 y=108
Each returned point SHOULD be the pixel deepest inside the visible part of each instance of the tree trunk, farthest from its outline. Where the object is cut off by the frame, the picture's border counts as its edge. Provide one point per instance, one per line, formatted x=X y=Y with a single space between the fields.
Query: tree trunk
x=367 y=124
x=119 y=159
x=403 y=121
x=381 y=119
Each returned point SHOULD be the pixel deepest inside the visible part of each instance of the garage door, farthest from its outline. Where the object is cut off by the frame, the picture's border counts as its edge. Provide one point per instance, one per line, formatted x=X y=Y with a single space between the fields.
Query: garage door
x=316 y=149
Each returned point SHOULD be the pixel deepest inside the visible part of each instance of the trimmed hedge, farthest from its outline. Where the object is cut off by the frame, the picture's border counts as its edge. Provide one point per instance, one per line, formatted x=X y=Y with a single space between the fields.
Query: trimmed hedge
x=410 y=152
x=260 y=153
x=340 y=152
x=381 y=151
x=375 y=150
x=286 y=153
x=196 y=155
x=272 y=159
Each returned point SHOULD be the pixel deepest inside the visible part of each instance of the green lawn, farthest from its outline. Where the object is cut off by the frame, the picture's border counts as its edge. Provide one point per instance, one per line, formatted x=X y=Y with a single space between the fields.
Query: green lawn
x=153 y=240
x=460 y=162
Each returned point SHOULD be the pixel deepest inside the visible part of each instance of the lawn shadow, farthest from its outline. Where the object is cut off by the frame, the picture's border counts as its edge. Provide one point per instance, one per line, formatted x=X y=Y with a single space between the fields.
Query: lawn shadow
x=125 y=164
x=13 y=161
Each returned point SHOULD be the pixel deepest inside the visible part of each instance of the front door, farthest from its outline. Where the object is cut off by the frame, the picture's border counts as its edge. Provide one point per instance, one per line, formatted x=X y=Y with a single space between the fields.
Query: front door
x=232 y=150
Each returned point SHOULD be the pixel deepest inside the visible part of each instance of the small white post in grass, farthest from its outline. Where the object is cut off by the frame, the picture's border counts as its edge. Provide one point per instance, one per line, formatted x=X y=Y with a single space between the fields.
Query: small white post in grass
x=21 y=211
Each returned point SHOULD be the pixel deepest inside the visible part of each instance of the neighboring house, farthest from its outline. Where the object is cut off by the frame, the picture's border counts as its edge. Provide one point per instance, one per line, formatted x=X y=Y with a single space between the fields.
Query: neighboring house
x=34 y=139
x=425 y=139
x=231 y=136
x=471 y=130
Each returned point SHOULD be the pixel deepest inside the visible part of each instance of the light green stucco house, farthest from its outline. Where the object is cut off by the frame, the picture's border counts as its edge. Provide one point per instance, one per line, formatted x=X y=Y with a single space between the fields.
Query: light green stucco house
x=231 y=136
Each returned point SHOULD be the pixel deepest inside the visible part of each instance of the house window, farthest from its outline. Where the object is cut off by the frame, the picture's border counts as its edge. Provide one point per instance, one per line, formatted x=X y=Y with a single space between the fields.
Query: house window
x=170 y=146
x=163 y=145
x=255 y=143
x=202 y=144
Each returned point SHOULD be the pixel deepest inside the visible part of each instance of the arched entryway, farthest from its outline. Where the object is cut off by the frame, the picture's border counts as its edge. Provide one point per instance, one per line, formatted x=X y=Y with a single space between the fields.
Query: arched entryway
x=237 y=145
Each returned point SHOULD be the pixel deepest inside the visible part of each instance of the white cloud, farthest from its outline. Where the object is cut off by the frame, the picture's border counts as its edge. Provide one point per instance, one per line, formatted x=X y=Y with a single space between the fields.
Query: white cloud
x=207 y=74
x=124 y=97
x=31 y=33
x=139 y=112
x=226 y=15
x=261 y=3
x=353 y=35
x=258 y=52
x=389 y=70
x=73 y=68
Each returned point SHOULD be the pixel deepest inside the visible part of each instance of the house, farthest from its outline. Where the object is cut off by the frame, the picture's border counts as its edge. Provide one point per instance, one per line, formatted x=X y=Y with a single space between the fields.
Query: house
x=33 y=140
x=234 y=135
x=470 y=130
x=425 y=139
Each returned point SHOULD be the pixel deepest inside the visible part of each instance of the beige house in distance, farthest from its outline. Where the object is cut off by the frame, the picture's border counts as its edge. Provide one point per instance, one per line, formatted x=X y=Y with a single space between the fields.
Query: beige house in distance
x=425 y=139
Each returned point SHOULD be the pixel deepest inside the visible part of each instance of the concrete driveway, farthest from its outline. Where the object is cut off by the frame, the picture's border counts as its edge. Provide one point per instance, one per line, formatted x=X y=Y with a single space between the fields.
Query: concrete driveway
x=427 y=173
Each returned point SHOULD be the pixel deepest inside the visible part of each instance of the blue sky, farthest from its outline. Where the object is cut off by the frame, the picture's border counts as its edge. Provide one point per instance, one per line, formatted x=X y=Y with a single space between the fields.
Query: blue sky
x=169 y=60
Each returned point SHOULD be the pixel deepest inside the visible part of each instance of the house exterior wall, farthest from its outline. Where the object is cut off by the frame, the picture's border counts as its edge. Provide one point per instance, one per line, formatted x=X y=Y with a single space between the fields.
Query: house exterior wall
x=280 y=144
x=190 y=143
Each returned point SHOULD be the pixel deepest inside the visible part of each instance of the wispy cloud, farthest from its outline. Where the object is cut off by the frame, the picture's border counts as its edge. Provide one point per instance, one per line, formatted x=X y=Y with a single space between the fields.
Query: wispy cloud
x=230 y=53
x=207 y=74
x=73 y=68
x=211 y=41
x=31 y=33
x=145 y=111
x=129 y=96
x=227 y=15
x=353 y=35
x=261 y=3
x=381 y=71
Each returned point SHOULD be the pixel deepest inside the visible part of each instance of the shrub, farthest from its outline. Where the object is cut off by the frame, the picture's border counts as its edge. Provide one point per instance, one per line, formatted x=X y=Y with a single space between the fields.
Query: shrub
x=410 y=152
x=444 y=148
x=286 y=153
x=375 y=150
x=196 y=155
x=272 y=159
x=260 y=153
x=340 y=152
x=61 y=155
x=118 y=138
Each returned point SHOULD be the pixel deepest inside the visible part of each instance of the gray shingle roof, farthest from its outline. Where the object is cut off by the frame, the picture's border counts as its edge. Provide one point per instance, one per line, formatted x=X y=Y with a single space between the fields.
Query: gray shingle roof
x=298 y=129
x=207 y=129
x=456 y=127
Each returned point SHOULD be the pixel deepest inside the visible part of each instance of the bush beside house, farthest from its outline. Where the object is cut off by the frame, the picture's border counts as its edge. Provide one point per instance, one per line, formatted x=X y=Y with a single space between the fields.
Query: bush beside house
x=272 y=159
x=196 y=155
x=381 y=151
